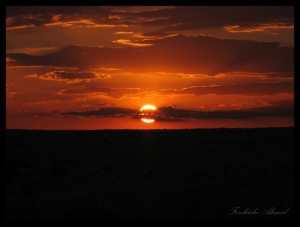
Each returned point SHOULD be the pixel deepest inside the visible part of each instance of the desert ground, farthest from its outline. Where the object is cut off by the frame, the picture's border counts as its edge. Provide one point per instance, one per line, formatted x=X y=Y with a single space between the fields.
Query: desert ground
x=149 y=175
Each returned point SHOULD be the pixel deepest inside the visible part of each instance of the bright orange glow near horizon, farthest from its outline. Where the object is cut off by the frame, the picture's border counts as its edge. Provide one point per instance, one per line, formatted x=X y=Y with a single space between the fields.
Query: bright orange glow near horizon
x=110 y=63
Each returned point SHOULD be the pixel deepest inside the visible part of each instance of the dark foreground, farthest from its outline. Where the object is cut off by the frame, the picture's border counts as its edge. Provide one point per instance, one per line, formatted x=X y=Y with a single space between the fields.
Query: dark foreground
x=124 y=175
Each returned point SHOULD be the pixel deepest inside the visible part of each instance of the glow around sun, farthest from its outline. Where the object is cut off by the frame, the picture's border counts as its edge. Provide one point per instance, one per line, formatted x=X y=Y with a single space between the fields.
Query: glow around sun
x=147 y=113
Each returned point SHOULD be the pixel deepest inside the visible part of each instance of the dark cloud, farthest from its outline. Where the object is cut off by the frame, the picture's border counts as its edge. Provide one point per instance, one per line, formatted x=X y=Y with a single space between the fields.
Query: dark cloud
x=278 y=109
x=176 y=18
x=187 y=54
x=194 y=17
x=77 y=56
x=65 y=10
x=105 y=112
x=156 y=34
x=67 y=76
x=255 y=89
x=94 y=89
x=283 y=108
x=40 y=15
x=238 y=89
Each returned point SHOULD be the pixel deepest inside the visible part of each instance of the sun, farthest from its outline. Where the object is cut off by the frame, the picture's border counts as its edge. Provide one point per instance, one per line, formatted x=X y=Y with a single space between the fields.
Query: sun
x=146 y=120
x=148 y=107
x=147 y=113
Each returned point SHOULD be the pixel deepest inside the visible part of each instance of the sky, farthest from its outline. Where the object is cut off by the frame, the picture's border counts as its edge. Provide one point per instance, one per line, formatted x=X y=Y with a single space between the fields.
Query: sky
x=94 y=67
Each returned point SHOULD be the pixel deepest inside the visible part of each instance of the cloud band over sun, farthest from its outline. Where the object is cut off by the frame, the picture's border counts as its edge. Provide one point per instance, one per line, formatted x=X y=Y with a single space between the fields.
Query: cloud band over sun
x=170 y=113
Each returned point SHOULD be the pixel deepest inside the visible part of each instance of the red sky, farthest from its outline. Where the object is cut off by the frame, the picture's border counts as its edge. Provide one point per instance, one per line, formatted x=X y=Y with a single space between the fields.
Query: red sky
x=202 y=67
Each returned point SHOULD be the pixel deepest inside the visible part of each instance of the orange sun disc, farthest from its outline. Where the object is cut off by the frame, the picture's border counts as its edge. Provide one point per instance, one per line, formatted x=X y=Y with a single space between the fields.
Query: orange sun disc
x=147 y=113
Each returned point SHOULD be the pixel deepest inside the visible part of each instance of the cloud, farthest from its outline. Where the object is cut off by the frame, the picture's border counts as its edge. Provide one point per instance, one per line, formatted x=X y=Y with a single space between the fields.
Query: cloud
x=287 y=75
x=124 y=33
x=276 y=109
x=170 y=18
x=197 y=17
x=9 y=60
x=237 y=89
x=91 y=89
x=33 y=50
x=105 y=112
x=284 y=108
x=18 y=17
x=68 y=76
x=186 y=54
x=258 y=28
x=12 y=11
x=254 y=89
x=130 y=43
x=145 y=35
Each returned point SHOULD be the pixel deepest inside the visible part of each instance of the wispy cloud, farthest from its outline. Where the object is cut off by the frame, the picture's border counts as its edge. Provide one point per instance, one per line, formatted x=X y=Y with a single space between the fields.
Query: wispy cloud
x=105 y=112
x=258 y=28
x=276 y=109
x=255 y=89
x=188 y=54
x=132 y=43
x=69 y=77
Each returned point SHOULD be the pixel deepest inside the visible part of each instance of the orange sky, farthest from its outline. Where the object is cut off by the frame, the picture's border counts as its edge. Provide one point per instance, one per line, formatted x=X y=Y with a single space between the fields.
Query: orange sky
x=202 y=67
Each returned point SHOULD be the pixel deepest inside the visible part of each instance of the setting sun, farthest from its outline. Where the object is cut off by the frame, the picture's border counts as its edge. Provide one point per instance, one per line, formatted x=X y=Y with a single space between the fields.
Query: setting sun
x=146 y=120
x=148 y=107
x=148 y=113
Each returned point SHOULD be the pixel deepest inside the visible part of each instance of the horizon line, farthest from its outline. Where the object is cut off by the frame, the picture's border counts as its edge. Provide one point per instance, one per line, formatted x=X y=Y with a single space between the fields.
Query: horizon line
x=162 y=129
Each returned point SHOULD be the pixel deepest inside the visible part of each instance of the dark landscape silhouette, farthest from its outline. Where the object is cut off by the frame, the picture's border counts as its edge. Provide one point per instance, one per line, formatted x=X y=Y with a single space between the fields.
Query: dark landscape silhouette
x=149 y=175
